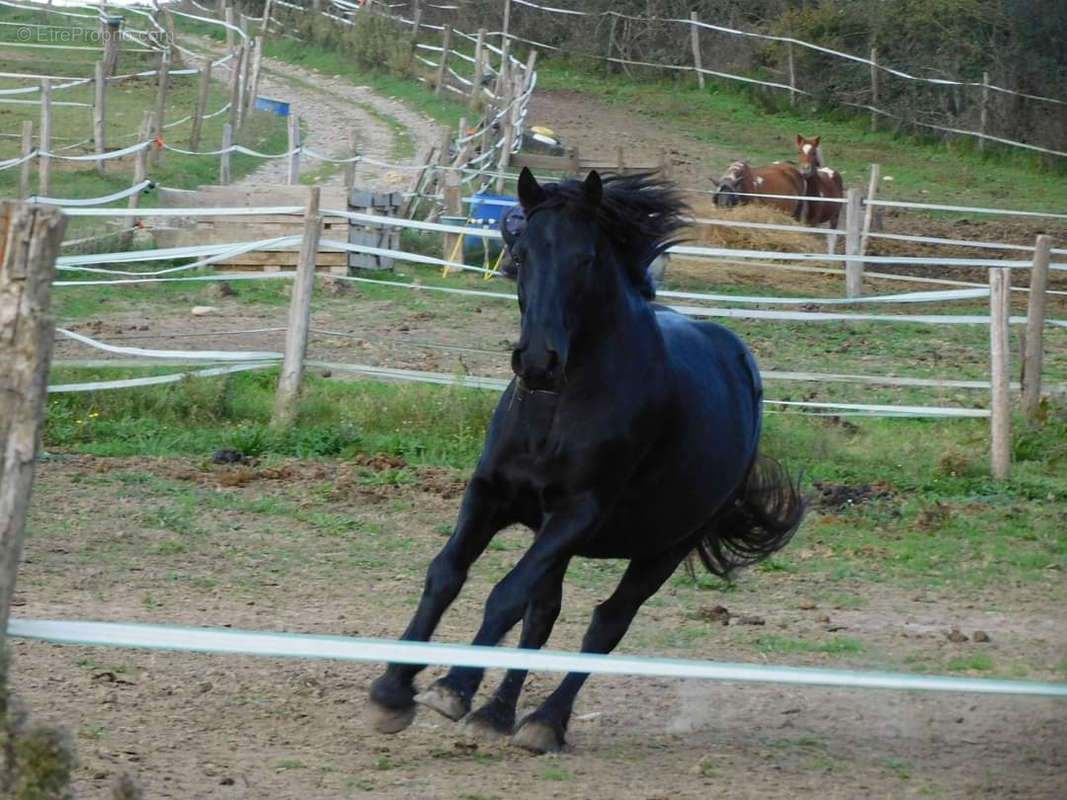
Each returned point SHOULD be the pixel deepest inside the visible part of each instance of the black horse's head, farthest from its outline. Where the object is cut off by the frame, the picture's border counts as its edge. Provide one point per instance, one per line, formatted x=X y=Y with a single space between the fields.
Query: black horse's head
x=583 y=247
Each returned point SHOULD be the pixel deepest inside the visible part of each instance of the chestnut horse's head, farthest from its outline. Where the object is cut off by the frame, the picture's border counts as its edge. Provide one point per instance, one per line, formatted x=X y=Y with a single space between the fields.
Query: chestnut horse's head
x=809 y=155
x=728 y=188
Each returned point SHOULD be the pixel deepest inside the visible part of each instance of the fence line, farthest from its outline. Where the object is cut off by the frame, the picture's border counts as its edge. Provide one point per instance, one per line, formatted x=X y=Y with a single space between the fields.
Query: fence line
x=298 y=645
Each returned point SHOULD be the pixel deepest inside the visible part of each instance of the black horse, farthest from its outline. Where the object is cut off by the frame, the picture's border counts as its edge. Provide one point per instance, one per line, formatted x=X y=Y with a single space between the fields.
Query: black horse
x=628 y=432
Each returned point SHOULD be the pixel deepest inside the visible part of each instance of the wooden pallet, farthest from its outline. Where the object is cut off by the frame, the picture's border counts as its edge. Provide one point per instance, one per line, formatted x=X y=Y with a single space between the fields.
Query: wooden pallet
x=224 y=230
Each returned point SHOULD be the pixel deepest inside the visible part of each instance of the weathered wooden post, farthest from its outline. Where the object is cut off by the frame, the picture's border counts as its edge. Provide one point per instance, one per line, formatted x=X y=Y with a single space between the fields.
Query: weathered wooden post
x=353 y=152
x=868 y=210
x=235 y=88
x=983 y=123
x=694 y=36
x=1035 y=328
x=531 y=68
x=140 y=172
x=246 y=80
x=266 y=17
x=29 y=242
x=229 y=28
x=294 y=149
x=853 y=261
x=479 y=69
x=161 y=103
x=110 y=29
x=44 y=160
x=201 y=105
x=792 y=74
x=413 y=44
x=453 y=208
x=874 y=88
x=99 y=85
x=296 y=337
x=24 y=167
x=999 y=288
x=225 y=175
x=446 y=43
x=253 y=80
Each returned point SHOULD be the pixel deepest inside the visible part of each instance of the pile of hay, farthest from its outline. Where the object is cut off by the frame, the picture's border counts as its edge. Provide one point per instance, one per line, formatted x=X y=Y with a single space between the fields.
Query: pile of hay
x=749 y=238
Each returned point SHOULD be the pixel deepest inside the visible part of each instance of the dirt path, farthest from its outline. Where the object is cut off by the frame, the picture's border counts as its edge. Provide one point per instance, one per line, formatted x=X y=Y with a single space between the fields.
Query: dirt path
x=329 y=107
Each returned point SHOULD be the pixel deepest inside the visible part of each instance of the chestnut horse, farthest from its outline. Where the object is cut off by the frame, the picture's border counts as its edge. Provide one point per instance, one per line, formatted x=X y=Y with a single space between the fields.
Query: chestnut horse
x=819 y=181
x=742 y=179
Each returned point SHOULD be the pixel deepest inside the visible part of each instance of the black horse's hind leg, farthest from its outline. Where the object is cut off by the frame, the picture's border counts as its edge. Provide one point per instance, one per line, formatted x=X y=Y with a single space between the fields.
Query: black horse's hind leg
x=544 y=730
x=454 y=691
x=481 y=516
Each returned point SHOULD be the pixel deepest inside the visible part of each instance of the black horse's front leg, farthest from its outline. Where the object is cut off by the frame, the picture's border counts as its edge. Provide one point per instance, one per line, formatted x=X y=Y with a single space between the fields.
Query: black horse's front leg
x=544 y=730
x=561 y=533
x=452 y=694
x=482 y=514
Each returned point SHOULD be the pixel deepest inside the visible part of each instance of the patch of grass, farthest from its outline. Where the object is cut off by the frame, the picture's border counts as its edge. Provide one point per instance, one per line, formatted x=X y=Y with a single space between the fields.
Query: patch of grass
x=556 y=772
x=774 y=643
x=980 y=662
x=706 y=767
x=290 y=764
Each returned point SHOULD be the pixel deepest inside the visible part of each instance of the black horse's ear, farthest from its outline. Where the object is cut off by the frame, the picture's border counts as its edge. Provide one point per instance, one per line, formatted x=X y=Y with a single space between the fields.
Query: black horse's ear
x=530 y=192
x=594 y=188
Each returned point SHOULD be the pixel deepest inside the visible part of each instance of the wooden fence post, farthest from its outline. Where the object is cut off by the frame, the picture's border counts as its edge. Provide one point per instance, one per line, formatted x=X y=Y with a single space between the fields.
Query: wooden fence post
x=29 y=242
x=224 y=164
x=229 y=28
x=446 y=42
x=694 y=36
x=99 y=84
x=294 y=149
x=350 y=167
x=253 y=80
x=507 y=136
x=24 y=167
x=266 y=17
x=109 y=27
x=246 y=78
x=999 y=288
x=413 y=45
x=161 y=102
x=172 y=37
x=792 y=74
x=201 y=105
x=874 y=88
x=479 y=68
x=140 y=172
x=983 y=123
x=453 y=202
x=44 y=161
x=235 y=88
x=531 y=67
x=854 y=265
x=1035 y=328
x=296 y=337
x=868 y=210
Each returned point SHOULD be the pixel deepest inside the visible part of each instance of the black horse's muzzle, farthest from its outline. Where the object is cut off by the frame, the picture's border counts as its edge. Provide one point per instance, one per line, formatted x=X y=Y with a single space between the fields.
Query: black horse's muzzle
x=726 y=197
x=538 y=368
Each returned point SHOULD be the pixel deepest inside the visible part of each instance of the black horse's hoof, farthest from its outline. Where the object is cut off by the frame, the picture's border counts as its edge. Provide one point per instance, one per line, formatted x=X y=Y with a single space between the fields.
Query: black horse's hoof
x=391 y=720
x=539 y=736
x=491 y=721
x=392 y=704
x=445 y=700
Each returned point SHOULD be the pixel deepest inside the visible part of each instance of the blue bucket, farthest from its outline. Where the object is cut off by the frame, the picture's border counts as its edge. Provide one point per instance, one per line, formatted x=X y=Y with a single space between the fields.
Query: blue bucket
x=485 y=212
x=279 y=107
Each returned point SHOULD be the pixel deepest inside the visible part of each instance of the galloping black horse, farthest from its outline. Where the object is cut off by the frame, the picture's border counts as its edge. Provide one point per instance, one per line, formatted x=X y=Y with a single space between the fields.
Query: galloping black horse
x=628 y=432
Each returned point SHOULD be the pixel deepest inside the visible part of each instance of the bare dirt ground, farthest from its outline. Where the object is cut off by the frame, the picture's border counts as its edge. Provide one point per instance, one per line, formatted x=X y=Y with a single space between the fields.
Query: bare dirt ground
x=321 y=548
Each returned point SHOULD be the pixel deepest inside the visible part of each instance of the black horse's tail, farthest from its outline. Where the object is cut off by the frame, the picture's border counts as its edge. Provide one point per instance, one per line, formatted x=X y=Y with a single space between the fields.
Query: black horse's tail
x=760 y=519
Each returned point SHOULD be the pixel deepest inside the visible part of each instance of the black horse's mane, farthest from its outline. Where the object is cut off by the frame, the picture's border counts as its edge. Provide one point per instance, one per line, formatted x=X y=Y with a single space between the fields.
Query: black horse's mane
x=639 y=214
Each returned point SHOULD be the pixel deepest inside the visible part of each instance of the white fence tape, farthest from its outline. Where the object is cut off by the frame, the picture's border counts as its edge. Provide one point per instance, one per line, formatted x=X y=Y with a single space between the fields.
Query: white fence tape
x=201 y=355
x=295 y=645
x=155 y=380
